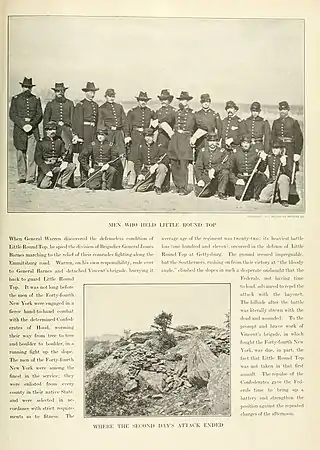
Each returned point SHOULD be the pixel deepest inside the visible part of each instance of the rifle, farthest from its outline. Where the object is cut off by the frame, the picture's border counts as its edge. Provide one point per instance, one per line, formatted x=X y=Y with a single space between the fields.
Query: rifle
x=149 y=175
x=95 y=173
x=273 y=198
x=250 y=179
x=207 y=185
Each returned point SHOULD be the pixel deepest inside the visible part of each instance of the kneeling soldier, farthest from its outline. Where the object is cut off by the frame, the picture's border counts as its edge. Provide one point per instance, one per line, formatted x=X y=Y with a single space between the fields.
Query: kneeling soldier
x=49 y=156
x=279 y=173
x=98 y=153
x=212 y=168
x=151 y=165
x=244 y=162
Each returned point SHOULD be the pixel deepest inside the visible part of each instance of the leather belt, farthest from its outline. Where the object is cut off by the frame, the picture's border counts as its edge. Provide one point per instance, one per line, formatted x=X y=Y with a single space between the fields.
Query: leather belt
x=114 y=128
x=140 y=129
x=91 y=124
x=184 y=131
x=51 y=161
x=257 y=139
x=27 y=119
x=100 y=164
x=286 y=139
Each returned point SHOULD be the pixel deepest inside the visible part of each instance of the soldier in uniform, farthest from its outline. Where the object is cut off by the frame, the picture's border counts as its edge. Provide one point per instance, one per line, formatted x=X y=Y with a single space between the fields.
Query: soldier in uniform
x=112 y=117
x=232 y=127
x=212 y=168
x=96 y=162
x=280 y=175
x=179 y=150
x=50 y=156
x=207 y=121
x=60 y=110
x=84 y=122
x=243 y=163
x=138 y=119
x=26 y=114
x=151 y=165
x=258 y=128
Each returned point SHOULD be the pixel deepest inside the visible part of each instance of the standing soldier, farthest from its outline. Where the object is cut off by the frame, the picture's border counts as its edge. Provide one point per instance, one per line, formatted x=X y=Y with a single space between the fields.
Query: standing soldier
x=84 y=122
x=180 y=151
x=112 y=118
x=138 y=119
x=258 y=128
x=26 y=114
x=232 y=127
x=60 y=110
x=207 y=121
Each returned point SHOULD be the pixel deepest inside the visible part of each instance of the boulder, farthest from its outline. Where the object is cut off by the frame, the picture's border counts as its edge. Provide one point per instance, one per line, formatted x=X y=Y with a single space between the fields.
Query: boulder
x=201 y=362
x=131 y=385
x=186 y=328
x=219 y=386
x=152 y=380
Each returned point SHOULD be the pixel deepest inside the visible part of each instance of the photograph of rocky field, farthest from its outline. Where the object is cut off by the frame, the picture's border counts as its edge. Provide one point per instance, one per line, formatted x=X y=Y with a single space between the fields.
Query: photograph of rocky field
x=157 y=350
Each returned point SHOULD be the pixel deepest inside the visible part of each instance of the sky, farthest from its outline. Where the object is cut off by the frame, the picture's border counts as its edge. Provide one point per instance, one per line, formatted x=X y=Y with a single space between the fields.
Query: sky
x=240 y=59
x=109 y=309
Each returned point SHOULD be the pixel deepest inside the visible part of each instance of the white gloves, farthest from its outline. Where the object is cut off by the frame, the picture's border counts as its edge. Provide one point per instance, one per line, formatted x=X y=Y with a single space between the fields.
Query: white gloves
x=192 y=141
x=91 y=170
x=201 y=183
x=49 y=174
x=141 y=177
x=229 y=141
x=64 y=165
x=127 y=140
x=283 y=160
x=240 y=182
x=211 y=173
x=75 y=139
x=154 y=168
x=27 y=127
x=296 y=157
x=263 y=155
x=105 y=167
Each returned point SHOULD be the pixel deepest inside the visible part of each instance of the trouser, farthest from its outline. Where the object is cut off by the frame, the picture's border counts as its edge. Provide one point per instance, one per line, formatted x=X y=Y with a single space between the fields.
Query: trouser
x=156 y=180
x=129 y=174
x=25 y=161
x=102 y=180
x=180 y=173
x=64 y=177
x=283 y=189
x=257 y=184
x=218 y=183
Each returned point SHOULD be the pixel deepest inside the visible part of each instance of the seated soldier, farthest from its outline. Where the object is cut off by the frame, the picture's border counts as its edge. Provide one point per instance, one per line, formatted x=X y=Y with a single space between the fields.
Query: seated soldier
x=212 y=168
x=98 y=155
x=50 y=157
x=279 y=173
x=244 y=162
x=151 y=165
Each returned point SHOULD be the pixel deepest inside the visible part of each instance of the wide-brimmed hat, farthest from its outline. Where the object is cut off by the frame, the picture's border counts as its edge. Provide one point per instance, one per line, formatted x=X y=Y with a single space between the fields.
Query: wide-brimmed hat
x=205 y=98
x=212 y=136
x=27 y=82
x=184 y=96
x=110 y=92
x=284 y=105
x=165 y=95
x=256 y=106
x=143 y=96
x=51 y=125
x=231 y=104
x=90 y=87
x=148 y=132
x=59 y=87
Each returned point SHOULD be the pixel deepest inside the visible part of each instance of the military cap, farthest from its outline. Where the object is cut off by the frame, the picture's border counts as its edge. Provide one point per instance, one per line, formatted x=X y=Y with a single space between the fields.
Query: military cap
x=165 y=95
x=284 y=105
x=102 y=131
x=110 y=93
x=27 y=82
x=59 y=87
x=212 y=137
x=205 y=98
x=148 y=131
x=231 y=104
x=185 y=96
x=51 y=125
x=255 y=106
x=90 y=87
x=143 y=96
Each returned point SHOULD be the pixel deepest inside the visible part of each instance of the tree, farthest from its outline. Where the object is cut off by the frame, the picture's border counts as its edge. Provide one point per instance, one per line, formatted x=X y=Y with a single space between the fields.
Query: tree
x=162 y=322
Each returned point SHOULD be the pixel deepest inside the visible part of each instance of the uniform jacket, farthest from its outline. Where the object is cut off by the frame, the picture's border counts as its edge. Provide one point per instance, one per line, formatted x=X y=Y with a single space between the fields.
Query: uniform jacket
x=185 y=120
x=85 y=111
x=217 y=158
x=209 y=121
x=165 y=114
x=288 y=128
x=138 y=118
x=273 y=163
x=49 y=153
x=179 y=147
x=243 y=163
x=149 y=155
x=25 y=109
x=259 y=130
x=99 y=153
x=111 y=115
x=232 y=127
x=59 y=111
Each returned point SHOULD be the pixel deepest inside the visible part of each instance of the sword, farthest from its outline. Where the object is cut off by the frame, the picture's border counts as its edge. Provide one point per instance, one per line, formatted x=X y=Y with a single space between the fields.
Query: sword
x=293 y=172
x=250 y=179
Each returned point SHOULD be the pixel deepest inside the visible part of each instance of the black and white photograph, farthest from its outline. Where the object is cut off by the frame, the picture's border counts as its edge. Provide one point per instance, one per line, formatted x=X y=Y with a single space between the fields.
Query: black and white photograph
x=142 y=114
x=167 y=353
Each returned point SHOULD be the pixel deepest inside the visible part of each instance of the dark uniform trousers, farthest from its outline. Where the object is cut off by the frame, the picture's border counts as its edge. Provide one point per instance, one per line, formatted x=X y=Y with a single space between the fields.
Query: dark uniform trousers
x=220 y=161
x=243 y=164
x=49 y=155
x=25 y=109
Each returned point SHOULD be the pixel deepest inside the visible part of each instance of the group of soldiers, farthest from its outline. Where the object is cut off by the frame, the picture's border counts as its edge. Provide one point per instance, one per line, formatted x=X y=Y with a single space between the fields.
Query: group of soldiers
x=143 y=149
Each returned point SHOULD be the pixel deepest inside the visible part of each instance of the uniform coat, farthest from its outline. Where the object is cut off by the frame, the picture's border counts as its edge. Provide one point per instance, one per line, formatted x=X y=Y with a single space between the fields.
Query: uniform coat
x=84 y=120
x=137 y=120
x=232 y=127
x=149 y=155
x=179 y=147
x=259 y=131
x=210 y=121
x=165 y=114
x=289 y=132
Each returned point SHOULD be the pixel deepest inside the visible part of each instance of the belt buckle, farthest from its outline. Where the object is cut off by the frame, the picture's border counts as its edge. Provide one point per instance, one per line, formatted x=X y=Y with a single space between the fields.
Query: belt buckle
x=113 y=128
x=246 y=174
x=27 y=119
